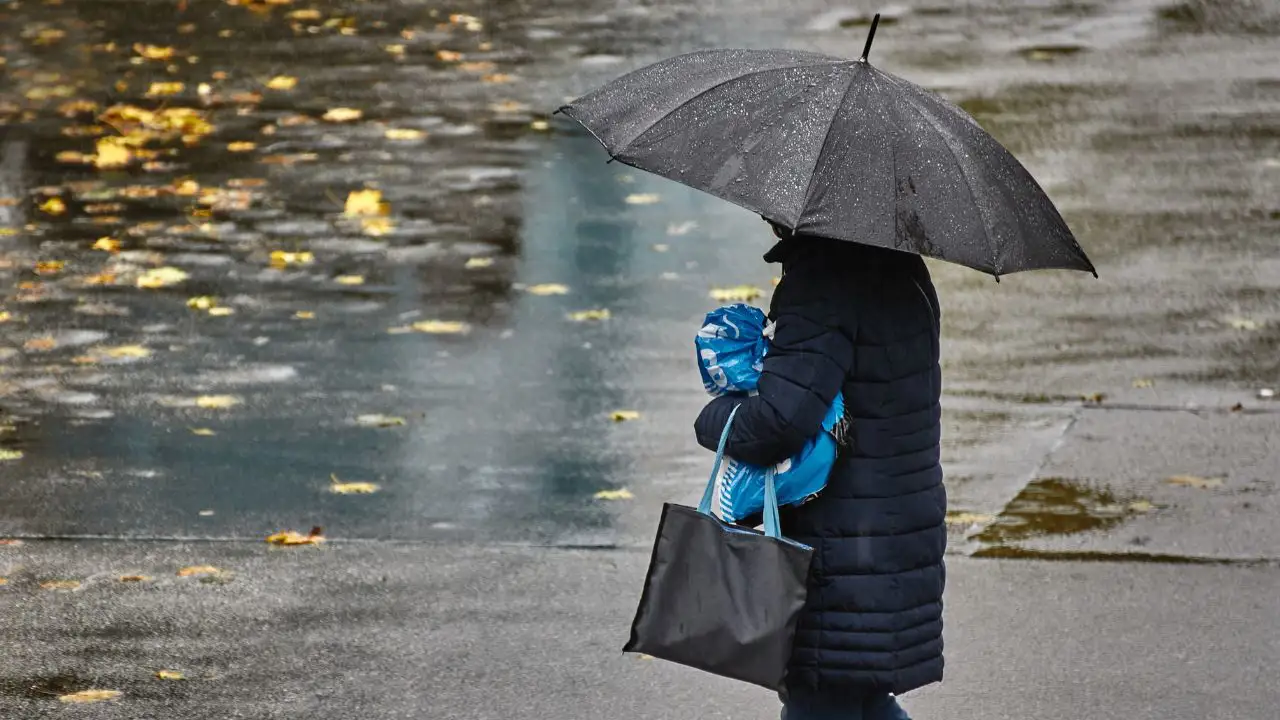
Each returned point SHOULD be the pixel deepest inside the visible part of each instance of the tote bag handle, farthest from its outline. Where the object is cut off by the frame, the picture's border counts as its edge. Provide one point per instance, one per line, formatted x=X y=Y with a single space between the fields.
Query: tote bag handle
x=771 y=523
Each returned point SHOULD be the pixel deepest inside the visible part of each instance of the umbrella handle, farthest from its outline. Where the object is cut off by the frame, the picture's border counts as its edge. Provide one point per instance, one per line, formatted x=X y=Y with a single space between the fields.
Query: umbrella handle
x=866 y=50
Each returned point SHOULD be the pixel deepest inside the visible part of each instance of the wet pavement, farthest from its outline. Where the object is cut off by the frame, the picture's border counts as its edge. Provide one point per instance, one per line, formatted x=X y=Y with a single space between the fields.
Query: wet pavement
x=209 y=322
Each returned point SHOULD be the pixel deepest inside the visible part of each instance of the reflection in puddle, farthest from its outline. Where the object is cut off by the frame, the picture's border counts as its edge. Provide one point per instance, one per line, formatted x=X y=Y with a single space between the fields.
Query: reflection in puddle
x=1058 y=506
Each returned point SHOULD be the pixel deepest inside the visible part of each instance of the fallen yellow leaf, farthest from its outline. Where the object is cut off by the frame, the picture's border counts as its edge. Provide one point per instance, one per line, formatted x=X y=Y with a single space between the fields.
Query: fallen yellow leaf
x=112 y=152
x=624 y=415
x=164 y=89
x=60 y=585
x=965 y=519
x=241 y=146
x=376 y=226
x=202 y=302
x=643 y=199
x=203 y=432
x=281 y=258
x=1200 y=483
x=349 y=279
x=53 y=206
x=396 y=49
x=292 y=537
x=127 y=351
x=40 y=344
x=199 y=571
x=4 y=581
x=351 y=488
x=738 y=293
x=106 y=244
x=1241 y=323
x=282 y=82
x=441 y=327
x=305 y=15
x=619 y=494
x=6 y=454
x=448 y=56
x=161 y=277
x=343 y=114
x=476 y=263
x=221 y=311
x=548 y=289
x=305 y=315
x=470 y=22
x=589 y=315
x=497 y=78
x=153 y=52
x=49 y=267
x=217 y=402
x=540 y=125
x=382 y=421
x=5 y=316
x=1144 y=383
x=404 y=134
x=1141 y=506
x=362 y=203
x=134 y=578
x=85 y=697
x=170 y=675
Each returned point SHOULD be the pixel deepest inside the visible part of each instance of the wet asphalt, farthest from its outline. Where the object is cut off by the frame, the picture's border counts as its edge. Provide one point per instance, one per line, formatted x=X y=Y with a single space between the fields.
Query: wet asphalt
x=485 y=578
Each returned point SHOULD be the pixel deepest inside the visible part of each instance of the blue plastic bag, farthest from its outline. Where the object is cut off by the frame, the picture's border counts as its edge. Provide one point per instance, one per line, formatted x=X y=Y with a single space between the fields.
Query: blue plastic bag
x=731 y=345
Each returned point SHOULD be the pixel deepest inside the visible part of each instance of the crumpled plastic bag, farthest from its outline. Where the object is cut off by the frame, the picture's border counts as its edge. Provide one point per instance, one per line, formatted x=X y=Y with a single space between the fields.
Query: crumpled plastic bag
x=732 y=345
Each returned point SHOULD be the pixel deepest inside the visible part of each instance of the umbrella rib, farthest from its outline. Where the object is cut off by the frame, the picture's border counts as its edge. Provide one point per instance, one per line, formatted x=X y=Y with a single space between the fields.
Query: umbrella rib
x=813 y=174
x=623 y=146
x=968 y=185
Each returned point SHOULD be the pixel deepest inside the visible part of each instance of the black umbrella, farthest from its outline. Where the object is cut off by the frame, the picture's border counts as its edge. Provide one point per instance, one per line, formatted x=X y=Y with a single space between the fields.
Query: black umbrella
x=833 y=147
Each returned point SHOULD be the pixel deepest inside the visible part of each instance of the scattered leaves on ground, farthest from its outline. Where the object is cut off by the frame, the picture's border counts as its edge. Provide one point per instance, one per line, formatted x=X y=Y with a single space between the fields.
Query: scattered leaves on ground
x=342 y=114
x=281 y=258
x=404 y=134
x=153 y=52
x=53 y=206
x=126 y=351
x=293 y=537
x=282 y=82
x=170 y=675
x=112 y=152
x=85 y=697
x=164 y=89
x=217 y=402
x=381 y=421
x=106 y=244
x=365 y=203
x=1194 y=481
x=590 y=315
x=49 y=267
x=624 y=415
x=440 y=327
x=643 y=198
x=619 y=494
x=965 y=519
x=351 y=488
x=161 y=277
x=1242 y=323
x=548 y=289
x=40 y=344
x=60 y=585
x=737 y=293
x=199 y=571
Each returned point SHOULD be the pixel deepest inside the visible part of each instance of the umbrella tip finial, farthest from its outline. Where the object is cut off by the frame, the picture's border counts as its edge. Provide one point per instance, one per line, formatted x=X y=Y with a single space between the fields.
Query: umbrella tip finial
x=871 y=35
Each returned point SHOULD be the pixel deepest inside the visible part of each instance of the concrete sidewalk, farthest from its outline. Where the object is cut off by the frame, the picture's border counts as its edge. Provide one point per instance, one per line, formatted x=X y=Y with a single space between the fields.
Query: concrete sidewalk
x=433 y=631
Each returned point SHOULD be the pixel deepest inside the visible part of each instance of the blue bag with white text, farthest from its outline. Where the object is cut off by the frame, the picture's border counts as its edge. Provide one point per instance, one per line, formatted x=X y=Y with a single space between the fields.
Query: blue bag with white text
x=731 y=345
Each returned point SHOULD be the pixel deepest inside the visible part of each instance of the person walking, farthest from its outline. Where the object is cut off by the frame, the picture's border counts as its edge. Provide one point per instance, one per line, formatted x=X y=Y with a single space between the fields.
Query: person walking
x=862 y=320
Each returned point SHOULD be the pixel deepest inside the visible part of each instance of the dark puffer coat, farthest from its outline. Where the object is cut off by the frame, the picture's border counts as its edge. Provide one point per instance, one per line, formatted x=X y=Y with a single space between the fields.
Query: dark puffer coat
x=862 y=320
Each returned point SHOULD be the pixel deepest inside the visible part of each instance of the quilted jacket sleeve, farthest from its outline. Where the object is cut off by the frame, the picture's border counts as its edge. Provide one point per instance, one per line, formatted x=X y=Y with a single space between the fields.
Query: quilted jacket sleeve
x=808 y=359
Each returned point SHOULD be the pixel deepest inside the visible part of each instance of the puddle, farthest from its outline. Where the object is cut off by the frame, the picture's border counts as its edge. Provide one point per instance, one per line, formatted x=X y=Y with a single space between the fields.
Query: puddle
x=1059 y=506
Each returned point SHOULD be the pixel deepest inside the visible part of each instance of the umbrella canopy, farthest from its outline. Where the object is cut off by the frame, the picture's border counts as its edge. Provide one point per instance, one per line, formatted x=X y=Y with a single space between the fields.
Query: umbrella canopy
x=833 y=147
